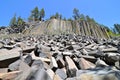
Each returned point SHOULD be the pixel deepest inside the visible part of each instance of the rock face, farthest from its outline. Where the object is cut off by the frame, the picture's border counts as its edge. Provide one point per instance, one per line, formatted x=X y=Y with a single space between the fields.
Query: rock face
x=55 y=26
x=98 y=74
x=59 y=57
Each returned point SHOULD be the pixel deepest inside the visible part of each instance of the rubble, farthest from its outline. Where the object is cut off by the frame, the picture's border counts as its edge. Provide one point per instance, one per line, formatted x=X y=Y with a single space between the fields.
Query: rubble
x=59 y=57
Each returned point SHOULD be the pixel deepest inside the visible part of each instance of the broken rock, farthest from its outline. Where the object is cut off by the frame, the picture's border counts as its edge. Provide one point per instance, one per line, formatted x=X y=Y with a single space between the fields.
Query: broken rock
x=84 y=64
x=71 y=67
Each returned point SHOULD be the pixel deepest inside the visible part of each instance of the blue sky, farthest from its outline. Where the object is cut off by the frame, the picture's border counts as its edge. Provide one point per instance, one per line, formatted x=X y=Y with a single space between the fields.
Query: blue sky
x=106 y=12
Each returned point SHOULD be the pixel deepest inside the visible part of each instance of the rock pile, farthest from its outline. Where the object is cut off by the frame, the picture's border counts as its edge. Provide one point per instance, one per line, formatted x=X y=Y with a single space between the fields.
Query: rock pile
x=59 y=57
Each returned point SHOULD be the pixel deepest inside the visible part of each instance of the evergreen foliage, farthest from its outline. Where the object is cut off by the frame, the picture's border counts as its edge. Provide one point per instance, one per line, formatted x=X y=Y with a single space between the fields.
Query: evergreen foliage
x=56 y=16
x=117 y=28
x=76 y=14
x=36 y=14
x=13 y=21
x=17 y=24
x=41 y=14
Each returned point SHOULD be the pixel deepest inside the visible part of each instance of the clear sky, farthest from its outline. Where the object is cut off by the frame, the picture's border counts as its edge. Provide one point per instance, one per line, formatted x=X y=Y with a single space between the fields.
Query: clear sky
x=106 y=12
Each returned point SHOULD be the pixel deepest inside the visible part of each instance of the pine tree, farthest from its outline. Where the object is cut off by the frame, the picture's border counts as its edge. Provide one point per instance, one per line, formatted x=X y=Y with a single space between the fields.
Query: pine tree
x=117 y=28
x=57 y=15
x=35 y=13
x=41 y=14
x=20 y=24
x=76 y=14
x=13 y=21
x=82 y=17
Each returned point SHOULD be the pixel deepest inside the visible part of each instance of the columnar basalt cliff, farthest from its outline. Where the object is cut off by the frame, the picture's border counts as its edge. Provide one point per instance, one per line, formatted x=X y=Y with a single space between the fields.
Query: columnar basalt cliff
x=57 y=26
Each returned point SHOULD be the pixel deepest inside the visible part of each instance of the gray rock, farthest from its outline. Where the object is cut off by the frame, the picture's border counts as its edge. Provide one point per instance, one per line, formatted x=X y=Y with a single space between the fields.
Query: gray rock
x=41 y=50
x=71 y=67
x=100 y=63
x=89 y=58
x=50 y=73
x=18 y=65
x=41 y=74
x=28 y=59
x=111 y=58
x=113 y=49
x=3 y=70
x=70 y=47
x=118 y=46
x=1 y=45
x=117 y=64
x=67 y=53
x=15 y=65
x=9 y=46
x=98 y=74
x=28 y=49
x=57 y=77
x=38 y=63
x=53 y=63
x=46 y=65
x=61 y=73
x=76 y=47
x=84 y=64
x=61 y=63
x=72 y=78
